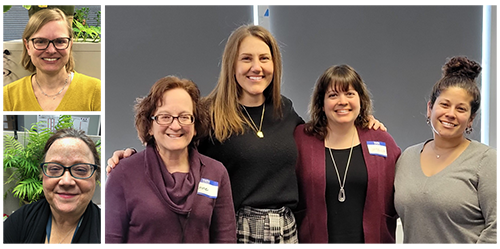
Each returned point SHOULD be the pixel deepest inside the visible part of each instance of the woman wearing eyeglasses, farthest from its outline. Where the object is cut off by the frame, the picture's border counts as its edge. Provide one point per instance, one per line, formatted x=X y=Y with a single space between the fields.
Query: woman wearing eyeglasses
x=71 y=168
x=170 y=193
x=54 y=85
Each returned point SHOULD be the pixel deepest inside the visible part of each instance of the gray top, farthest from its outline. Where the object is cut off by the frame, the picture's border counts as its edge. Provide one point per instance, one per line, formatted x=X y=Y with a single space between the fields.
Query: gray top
x=456 y=205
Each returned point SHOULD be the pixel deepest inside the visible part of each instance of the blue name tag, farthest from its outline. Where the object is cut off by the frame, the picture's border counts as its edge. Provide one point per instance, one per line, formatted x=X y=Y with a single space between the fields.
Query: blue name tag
x=208 y=188
x=377 y=148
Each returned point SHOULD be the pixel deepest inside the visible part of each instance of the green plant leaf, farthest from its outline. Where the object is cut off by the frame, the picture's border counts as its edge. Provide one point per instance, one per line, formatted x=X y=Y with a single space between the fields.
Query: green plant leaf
x=24 y=161
x=6 y=8
x=28 y=190
x=97 y=30
x=10 y=143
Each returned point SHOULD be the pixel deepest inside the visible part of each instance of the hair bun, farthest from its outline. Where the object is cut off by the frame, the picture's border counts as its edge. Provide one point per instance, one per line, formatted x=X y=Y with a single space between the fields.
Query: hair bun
x=459 y=66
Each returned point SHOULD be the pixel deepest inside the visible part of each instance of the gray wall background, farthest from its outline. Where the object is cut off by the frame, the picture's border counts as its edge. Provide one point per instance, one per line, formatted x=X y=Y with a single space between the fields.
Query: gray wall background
x=146 y=43
x=398 y=50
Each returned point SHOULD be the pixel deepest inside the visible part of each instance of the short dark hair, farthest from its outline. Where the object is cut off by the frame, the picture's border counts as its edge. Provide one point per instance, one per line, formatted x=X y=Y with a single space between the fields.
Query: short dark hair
x=78 y=134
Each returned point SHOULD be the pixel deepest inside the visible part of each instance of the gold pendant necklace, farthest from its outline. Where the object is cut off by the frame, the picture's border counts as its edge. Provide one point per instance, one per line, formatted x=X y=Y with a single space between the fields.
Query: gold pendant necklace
x=341 y=196
x=258 y=131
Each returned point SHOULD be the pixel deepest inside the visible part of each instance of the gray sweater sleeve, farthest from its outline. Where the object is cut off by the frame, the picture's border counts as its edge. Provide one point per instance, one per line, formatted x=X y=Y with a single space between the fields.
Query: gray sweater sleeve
x=487 y=195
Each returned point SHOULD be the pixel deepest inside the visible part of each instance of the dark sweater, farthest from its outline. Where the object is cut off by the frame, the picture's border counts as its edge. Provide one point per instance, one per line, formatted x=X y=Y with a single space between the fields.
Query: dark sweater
x=141 y=206
x=262 y=171
x=28 y=224
x=379 y=215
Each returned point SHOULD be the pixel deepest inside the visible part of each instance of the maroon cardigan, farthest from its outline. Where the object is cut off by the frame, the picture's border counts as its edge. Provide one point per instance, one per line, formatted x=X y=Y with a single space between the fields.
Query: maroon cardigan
x=379 y=215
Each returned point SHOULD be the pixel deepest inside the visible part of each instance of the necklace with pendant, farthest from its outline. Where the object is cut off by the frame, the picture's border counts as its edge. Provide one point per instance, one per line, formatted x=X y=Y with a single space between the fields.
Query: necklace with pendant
x=341 y=196
x=438 y=155
x=258 y=131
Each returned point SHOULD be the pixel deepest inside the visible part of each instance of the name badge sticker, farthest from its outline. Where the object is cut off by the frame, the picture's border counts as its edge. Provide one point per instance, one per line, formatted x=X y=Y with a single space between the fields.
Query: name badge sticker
x=377 y=148
x=208 y=188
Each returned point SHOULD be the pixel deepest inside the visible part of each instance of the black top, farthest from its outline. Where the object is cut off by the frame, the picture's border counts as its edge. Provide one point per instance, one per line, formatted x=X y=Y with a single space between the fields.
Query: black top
x=28 y=224
x=261 y=170
x=345 y=219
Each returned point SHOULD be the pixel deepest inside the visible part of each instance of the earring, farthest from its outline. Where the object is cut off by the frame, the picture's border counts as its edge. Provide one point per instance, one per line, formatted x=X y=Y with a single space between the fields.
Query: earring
x=468 y=130
x=428 y=120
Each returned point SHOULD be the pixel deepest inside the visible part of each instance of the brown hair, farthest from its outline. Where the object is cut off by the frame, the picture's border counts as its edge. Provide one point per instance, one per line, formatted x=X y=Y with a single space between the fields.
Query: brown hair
x=78 y=134
x=35 y=23
x=145 y=108
x=225 y=114
x=338 y=78
x=461 y=72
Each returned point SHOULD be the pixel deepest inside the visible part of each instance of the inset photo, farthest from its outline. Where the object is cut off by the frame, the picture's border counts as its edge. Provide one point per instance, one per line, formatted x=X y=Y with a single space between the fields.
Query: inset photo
x=52 y=179
x=52 y=58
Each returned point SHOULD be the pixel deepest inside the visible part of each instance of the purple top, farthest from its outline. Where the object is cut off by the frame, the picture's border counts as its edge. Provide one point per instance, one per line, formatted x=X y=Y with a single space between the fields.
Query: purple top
x=147 y=204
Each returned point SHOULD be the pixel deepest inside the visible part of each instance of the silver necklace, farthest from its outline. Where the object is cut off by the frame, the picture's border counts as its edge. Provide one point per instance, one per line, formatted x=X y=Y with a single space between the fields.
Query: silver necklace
x=446 y=153
x=341 y=196
x=258 y=131
x=55 y=95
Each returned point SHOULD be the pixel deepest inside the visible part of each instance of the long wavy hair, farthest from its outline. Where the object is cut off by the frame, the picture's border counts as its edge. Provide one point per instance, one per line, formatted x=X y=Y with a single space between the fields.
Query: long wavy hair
x=225 y=115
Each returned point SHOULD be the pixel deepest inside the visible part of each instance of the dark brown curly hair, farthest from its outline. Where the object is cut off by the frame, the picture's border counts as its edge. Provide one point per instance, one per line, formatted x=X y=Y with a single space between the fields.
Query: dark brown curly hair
x=145 y=108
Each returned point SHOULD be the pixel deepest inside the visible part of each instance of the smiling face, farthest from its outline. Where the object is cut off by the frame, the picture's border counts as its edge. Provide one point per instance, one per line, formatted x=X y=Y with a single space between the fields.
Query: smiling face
x=50 y=60
x=451 y=113
x=67 y=195
x=173 y=138
x=254 y=68
x=341 y=107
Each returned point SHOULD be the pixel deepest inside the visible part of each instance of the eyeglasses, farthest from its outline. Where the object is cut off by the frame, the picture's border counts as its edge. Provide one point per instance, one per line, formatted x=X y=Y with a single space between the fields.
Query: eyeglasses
x=78 y=171
x=167 y=119
x=43 y=43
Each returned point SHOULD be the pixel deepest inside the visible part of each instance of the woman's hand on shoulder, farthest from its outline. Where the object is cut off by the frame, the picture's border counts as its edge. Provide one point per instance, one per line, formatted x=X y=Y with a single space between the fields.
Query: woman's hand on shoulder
x=375 y=124
x=117 y=155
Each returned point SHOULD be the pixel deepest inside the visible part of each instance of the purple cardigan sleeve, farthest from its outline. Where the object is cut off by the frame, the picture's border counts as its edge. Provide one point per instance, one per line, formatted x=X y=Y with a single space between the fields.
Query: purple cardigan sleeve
x=115 y=209
x=223 y=226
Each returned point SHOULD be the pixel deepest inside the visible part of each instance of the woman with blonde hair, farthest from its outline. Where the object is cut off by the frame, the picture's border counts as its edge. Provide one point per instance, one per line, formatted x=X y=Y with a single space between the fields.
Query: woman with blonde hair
x=54 y=85
x=251 y=133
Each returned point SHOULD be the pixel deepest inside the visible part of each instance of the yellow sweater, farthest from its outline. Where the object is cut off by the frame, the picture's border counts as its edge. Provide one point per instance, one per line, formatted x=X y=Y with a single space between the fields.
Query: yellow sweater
x=83 y=94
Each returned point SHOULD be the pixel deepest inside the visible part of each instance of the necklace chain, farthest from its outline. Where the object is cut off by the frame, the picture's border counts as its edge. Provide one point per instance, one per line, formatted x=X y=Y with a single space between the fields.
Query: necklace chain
x=55 y=95
x=433 y=146
x=65 y=236
x=341 y=196
x=258 y=131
